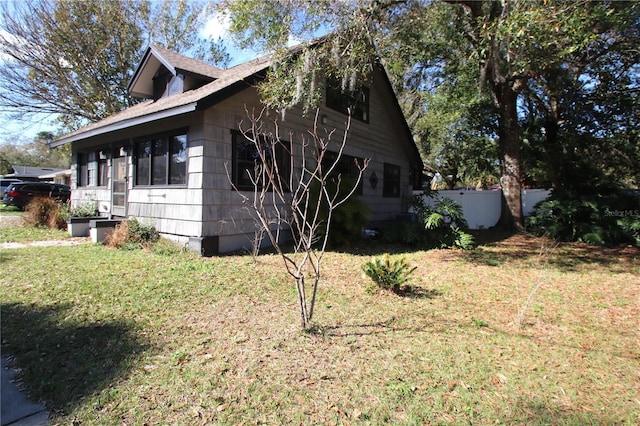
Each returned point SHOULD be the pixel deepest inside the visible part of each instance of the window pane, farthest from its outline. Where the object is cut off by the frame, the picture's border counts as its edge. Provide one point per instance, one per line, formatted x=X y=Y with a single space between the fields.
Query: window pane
x=346 y=168
x=92 y=166
x=118 y=199
x=391 y=181
x=143 y=159
x=82 y=169
x=178 y=165
x=102 y=172
x=102 y=168
x=344 y=100
x=119 y=186
x=159 y=163
x=246 y=156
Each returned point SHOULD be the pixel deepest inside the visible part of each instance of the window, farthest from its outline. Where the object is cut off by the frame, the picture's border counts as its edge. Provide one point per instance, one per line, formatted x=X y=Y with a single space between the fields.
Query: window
x=391 y=181
x=143 y=162
x=246 y=157
x=92 y=168
x=346 y=168
x=166 y=84
x=178 y=160
x=162 y=160
x=102 y=157
x=82 y=169
x=357 y=101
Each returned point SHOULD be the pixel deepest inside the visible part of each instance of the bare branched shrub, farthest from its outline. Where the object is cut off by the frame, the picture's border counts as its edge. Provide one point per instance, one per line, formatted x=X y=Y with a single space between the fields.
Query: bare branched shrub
x=544 y=255
x=283 y=196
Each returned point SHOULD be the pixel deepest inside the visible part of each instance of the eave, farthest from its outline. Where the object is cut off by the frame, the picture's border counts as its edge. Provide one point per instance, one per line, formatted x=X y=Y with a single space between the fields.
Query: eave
x=126 y=123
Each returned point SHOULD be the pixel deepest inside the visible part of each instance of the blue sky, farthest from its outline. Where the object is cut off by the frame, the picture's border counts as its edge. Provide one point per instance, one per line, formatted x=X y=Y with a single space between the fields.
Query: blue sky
x=27 y=128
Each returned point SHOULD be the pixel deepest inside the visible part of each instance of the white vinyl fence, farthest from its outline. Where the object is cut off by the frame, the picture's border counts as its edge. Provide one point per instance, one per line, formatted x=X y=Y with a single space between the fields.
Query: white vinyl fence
x=482 y=209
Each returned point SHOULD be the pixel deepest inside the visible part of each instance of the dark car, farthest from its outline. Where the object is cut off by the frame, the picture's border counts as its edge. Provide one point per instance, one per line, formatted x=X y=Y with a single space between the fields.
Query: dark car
x=22 y=193
x=4 y=184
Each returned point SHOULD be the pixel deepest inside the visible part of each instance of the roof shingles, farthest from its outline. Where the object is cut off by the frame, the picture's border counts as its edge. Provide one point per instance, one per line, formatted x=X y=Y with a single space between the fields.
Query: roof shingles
x=176 y=104
x=188 y=64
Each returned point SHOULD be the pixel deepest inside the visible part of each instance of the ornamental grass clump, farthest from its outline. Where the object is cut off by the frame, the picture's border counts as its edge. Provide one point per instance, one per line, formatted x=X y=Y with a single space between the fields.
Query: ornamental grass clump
x=131 y=235
x=44 y=212
x=389 y=274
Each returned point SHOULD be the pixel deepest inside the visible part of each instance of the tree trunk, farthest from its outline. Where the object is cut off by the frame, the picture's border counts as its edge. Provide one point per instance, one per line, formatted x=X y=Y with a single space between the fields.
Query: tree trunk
x=511 y=218
x=494 y=66
x=552 y=149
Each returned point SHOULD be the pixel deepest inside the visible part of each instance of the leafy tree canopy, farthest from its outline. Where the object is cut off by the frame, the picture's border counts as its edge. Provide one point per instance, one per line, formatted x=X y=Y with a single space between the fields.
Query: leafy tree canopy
x=514 y=51
x=17 y=152
x=73 y=59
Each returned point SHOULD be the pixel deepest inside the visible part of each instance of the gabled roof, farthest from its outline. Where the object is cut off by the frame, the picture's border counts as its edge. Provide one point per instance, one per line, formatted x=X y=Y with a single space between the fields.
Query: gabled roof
x=228 y=83
x=24 y=172
x=141 y=84
x=225 y=84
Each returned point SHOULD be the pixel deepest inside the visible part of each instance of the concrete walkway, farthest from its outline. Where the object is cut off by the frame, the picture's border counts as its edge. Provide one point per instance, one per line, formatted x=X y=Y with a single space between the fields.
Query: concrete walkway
x=47 y=243
x=15 y=220
x=16 y=408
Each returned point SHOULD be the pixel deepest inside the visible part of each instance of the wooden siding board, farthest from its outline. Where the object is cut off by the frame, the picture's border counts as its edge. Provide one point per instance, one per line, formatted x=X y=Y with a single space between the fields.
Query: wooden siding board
x=379 y=139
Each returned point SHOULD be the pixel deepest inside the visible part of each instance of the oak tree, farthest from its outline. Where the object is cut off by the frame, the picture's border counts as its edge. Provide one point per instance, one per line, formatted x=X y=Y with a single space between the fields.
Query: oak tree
x=73 y=59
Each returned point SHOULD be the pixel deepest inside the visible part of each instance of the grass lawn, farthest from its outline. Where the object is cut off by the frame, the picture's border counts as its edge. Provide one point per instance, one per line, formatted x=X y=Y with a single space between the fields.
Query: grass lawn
x=13 y=228
x=106 y=336
x=10 y=210
x=23 y=234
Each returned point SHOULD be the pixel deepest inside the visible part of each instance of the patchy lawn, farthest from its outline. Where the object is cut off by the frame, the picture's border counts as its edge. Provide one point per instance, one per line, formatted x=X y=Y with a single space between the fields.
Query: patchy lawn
x=16 y=233
x=517 y=331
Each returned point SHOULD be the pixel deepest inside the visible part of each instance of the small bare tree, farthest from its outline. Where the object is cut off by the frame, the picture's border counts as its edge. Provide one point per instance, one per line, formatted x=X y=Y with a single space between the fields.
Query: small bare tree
x=293 y=195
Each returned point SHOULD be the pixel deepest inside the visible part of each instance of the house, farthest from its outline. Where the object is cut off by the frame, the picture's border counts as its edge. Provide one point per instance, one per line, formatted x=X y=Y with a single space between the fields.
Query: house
x=169 y=160
x=44 y=174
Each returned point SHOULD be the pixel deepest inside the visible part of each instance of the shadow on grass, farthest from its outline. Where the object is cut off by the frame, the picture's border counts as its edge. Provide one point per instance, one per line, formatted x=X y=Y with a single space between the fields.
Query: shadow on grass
x=561 y=411
x=565 y=257
x=7 y=256
x=496 y=248
x=353 y=330
x=412 y=292
x=60 y=362
x=376 y=247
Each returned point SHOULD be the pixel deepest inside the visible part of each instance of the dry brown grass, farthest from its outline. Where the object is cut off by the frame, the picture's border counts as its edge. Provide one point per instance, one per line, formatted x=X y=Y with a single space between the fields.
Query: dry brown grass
x=119 y=236
x=44 y=212
x=217 y=341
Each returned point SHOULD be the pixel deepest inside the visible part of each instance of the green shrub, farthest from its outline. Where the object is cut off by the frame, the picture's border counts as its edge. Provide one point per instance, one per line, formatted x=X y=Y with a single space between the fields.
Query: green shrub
x=142 y=233
x=441 y=225
x=446 y=224
x=347 y=219
x=411 y=233
x=389 y=274
x=58 y=219
x=64 y=211
x=605 y=217
x=630 y=226
x=87 y=209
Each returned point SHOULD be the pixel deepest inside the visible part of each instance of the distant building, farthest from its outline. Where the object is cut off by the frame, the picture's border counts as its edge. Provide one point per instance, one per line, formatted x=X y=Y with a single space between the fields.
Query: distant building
x=41 y=174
